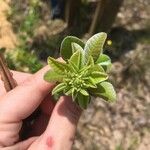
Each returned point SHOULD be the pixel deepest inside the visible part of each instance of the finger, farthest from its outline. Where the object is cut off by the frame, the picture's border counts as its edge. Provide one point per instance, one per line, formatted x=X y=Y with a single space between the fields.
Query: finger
x=39 y=125
x=62 y=125
x=41 y=121
x=18 y=76
x=24 y=145
x=47 y=105
x=25 y=98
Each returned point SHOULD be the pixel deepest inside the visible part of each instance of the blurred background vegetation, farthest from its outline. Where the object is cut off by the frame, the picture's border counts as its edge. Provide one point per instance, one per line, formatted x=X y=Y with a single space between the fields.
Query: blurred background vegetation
x=33 y=30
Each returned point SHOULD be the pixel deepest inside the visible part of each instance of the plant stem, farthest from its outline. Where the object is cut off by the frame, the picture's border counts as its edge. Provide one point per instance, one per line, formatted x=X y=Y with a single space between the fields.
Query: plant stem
x=6 y=75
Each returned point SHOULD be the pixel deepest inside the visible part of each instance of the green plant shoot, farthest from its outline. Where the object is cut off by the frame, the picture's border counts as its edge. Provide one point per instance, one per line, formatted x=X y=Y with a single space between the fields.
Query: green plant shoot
x=84 y=72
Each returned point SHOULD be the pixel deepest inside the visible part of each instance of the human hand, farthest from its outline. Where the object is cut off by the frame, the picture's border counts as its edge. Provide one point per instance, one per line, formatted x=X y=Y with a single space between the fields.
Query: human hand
x=53 y=129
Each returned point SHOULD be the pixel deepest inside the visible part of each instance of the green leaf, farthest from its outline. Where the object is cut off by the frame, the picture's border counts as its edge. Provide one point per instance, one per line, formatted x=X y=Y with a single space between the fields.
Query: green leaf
x=104 y=61
x=104 y=90
x=57 y=66
x=69 y=92
x=52 y=76
x=97 y=68
x=98 y=77
x=66 y=46
x=74 y=94
x=84 y=69
x=83 y=100
x=56 y=96
x=77 y=59
x=76 y=47
x=94 y=46
x=90 y=61
x=59 y=88
x=84 y=72
x=91 y=81
x=84 y=92
x=73 y=67
x=90 y=85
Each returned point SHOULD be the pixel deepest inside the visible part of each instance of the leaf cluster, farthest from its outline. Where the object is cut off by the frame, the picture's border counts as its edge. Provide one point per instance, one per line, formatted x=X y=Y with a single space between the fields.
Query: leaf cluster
x=84 y=71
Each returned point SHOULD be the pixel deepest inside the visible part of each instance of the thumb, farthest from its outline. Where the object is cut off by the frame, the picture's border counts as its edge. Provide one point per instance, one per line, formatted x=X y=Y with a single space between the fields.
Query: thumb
x=61 y=129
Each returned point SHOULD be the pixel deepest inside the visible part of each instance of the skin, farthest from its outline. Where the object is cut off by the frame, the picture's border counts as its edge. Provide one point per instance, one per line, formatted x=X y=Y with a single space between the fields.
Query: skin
x=53 y=129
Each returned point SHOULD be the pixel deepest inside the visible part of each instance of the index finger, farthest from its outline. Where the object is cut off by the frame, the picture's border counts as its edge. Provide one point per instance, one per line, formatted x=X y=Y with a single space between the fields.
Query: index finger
x=25 y=98
x=18 y=76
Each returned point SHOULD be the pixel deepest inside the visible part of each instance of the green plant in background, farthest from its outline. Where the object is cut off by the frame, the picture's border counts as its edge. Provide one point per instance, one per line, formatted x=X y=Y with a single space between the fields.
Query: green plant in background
x=84 y=71
x=119 y=147
x=27 y=21
x=22 y=57
x=29 y=24
x=22 y=60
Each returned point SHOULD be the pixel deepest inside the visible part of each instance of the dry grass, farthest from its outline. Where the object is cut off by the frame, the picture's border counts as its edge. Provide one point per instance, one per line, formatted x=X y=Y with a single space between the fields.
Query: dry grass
x=7 y=37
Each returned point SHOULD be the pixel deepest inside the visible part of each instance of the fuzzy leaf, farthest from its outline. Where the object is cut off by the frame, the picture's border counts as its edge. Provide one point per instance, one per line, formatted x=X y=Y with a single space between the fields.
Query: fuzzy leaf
x=59 y=88
x=104 y=61
x=94 y=46
x=76 y=47
x=73 y=67
x=69 y=92
x=90 y=61
x=105 y=90
x=97 y=68
x=57 y=96
x=84 y=92
x=77 y=59
x=52 y=76
x=66 y=46
x=83 y=101
x=90 y=85
x=98 y=77
x=91 y=81
x=57 y=66
x=74 y=94
x=84 y=69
